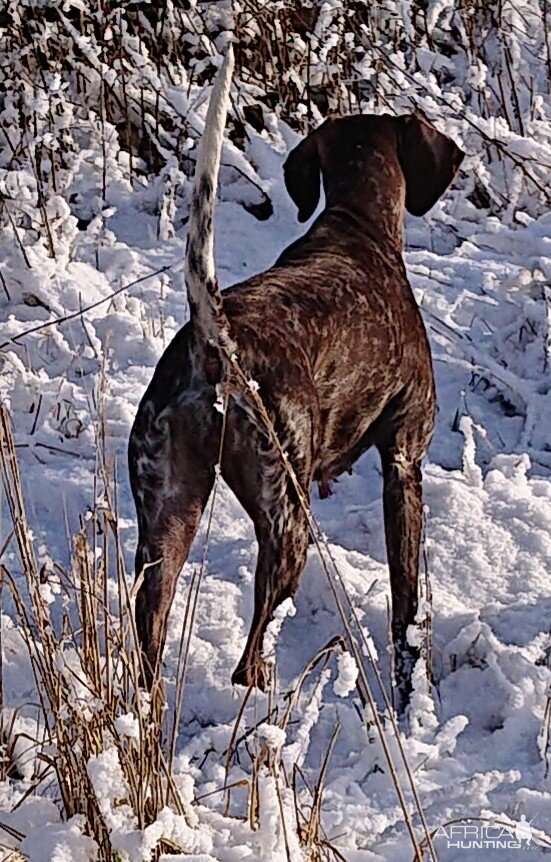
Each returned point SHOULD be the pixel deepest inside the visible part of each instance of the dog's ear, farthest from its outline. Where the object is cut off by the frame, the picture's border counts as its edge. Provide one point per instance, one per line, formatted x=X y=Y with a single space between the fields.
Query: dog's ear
x=429 y=161
x=302 y=176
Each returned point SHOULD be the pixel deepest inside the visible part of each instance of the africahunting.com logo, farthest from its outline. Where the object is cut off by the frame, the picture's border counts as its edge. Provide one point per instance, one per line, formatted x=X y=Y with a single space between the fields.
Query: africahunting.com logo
x=488 y=836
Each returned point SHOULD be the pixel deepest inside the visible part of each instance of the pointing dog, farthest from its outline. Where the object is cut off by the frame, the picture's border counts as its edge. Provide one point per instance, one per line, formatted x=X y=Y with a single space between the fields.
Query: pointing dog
x=334 y=338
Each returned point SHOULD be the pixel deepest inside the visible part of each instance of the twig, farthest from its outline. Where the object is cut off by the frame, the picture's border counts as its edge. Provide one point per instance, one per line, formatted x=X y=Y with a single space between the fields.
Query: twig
x=56 y=321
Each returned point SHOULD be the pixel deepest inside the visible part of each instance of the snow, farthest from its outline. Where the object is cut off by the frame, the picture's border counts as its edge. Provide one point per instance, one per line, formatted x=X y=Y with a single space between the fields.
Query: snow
x=347 y=675
x=128 y=725
x=273 y=736
x=472 y=742
x=273 y=629
x=475 y=735
x=60 y=842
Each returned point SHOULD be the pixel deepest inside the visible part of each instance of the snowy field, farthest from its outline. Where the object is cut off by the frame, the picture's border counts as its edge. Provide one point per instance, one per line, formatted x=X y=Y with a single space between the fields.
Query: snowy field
x=476 y=735
x=475 y=744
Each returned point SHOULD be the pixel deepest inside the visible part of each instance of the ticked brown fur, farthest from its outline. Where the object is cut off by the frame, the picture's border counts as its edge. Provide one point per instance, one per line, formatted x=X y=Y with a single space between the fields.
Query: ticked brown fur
x=333 y=337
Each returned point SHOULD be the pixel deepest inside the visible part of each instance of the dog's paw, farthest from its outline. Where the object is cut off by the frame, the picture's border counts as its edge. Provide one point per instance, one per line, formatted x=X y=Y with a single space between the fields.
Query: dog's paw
x=249 y=674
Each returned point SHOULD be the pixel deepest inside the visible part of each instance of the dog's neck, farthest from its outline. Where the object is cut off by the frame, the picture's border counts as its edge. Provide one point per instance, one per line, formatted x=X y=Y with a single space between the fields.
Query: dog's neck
x=373 y=188
x=365 y=226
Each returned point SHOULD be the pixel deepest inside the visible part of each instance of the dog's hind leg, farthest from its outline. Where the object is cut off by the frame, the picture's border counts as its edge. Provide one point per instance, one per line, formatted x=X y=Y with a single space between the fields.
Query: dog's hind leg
x=171 y=483
x=282 y=536
x=263 y=486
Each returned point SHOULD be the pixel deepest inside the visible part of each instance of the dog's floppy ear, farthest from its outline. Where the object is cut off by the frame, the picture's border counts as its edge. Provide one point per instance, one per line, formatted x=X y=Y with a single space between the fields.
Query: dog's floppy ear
x=302 y=176
x=429 y=161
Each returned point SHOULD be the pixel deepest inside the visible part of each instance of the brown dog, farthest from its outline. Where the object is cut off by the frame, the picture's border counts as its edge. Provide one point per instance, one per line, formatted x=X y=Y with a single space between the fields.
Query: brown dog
x=334 y=338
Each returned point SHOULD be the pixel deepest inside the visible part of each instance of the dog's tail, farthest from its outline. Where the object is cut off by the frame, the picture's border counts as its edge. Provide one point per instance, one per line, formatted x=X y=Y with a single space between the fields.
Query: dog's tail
x=205 y=300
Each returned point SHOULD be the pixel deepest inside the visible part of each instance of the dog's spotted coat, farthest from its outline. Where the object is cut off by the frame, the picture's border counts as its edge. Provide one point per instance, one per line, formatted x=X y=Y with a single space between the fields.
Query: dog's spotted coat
x=334 y=338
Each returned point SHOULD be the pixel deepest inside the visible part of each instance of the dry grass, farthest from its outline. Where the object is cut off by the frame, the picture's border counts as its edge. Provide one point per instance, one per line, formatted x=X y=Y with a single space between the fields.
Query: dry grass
x=86 y=666
x=135 y=55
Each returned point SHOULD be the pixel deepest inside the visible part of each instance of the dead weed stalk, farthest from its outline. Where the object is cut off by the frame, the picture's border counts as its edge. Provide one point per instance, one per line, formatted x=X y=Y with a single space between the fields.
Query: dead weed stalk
x=85 y=665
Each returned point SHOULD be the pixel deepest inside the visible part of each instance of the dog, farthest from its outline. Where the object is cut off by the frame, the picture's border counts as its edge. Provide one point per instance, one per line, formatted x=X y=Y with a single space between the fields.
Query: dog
x=334 y=340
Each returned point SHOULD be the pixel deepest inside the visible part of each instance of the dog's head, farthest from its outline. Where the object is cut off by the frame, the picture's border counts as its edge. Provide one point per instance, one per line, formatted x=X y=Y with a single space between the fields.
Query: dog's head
x=381 y=151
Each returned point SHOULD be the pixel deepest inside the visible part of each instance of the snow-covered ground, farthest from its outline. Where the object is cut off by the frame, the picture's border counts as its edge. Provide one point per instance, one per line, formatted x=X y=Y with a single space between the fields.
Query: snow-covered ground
x=475 y=745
